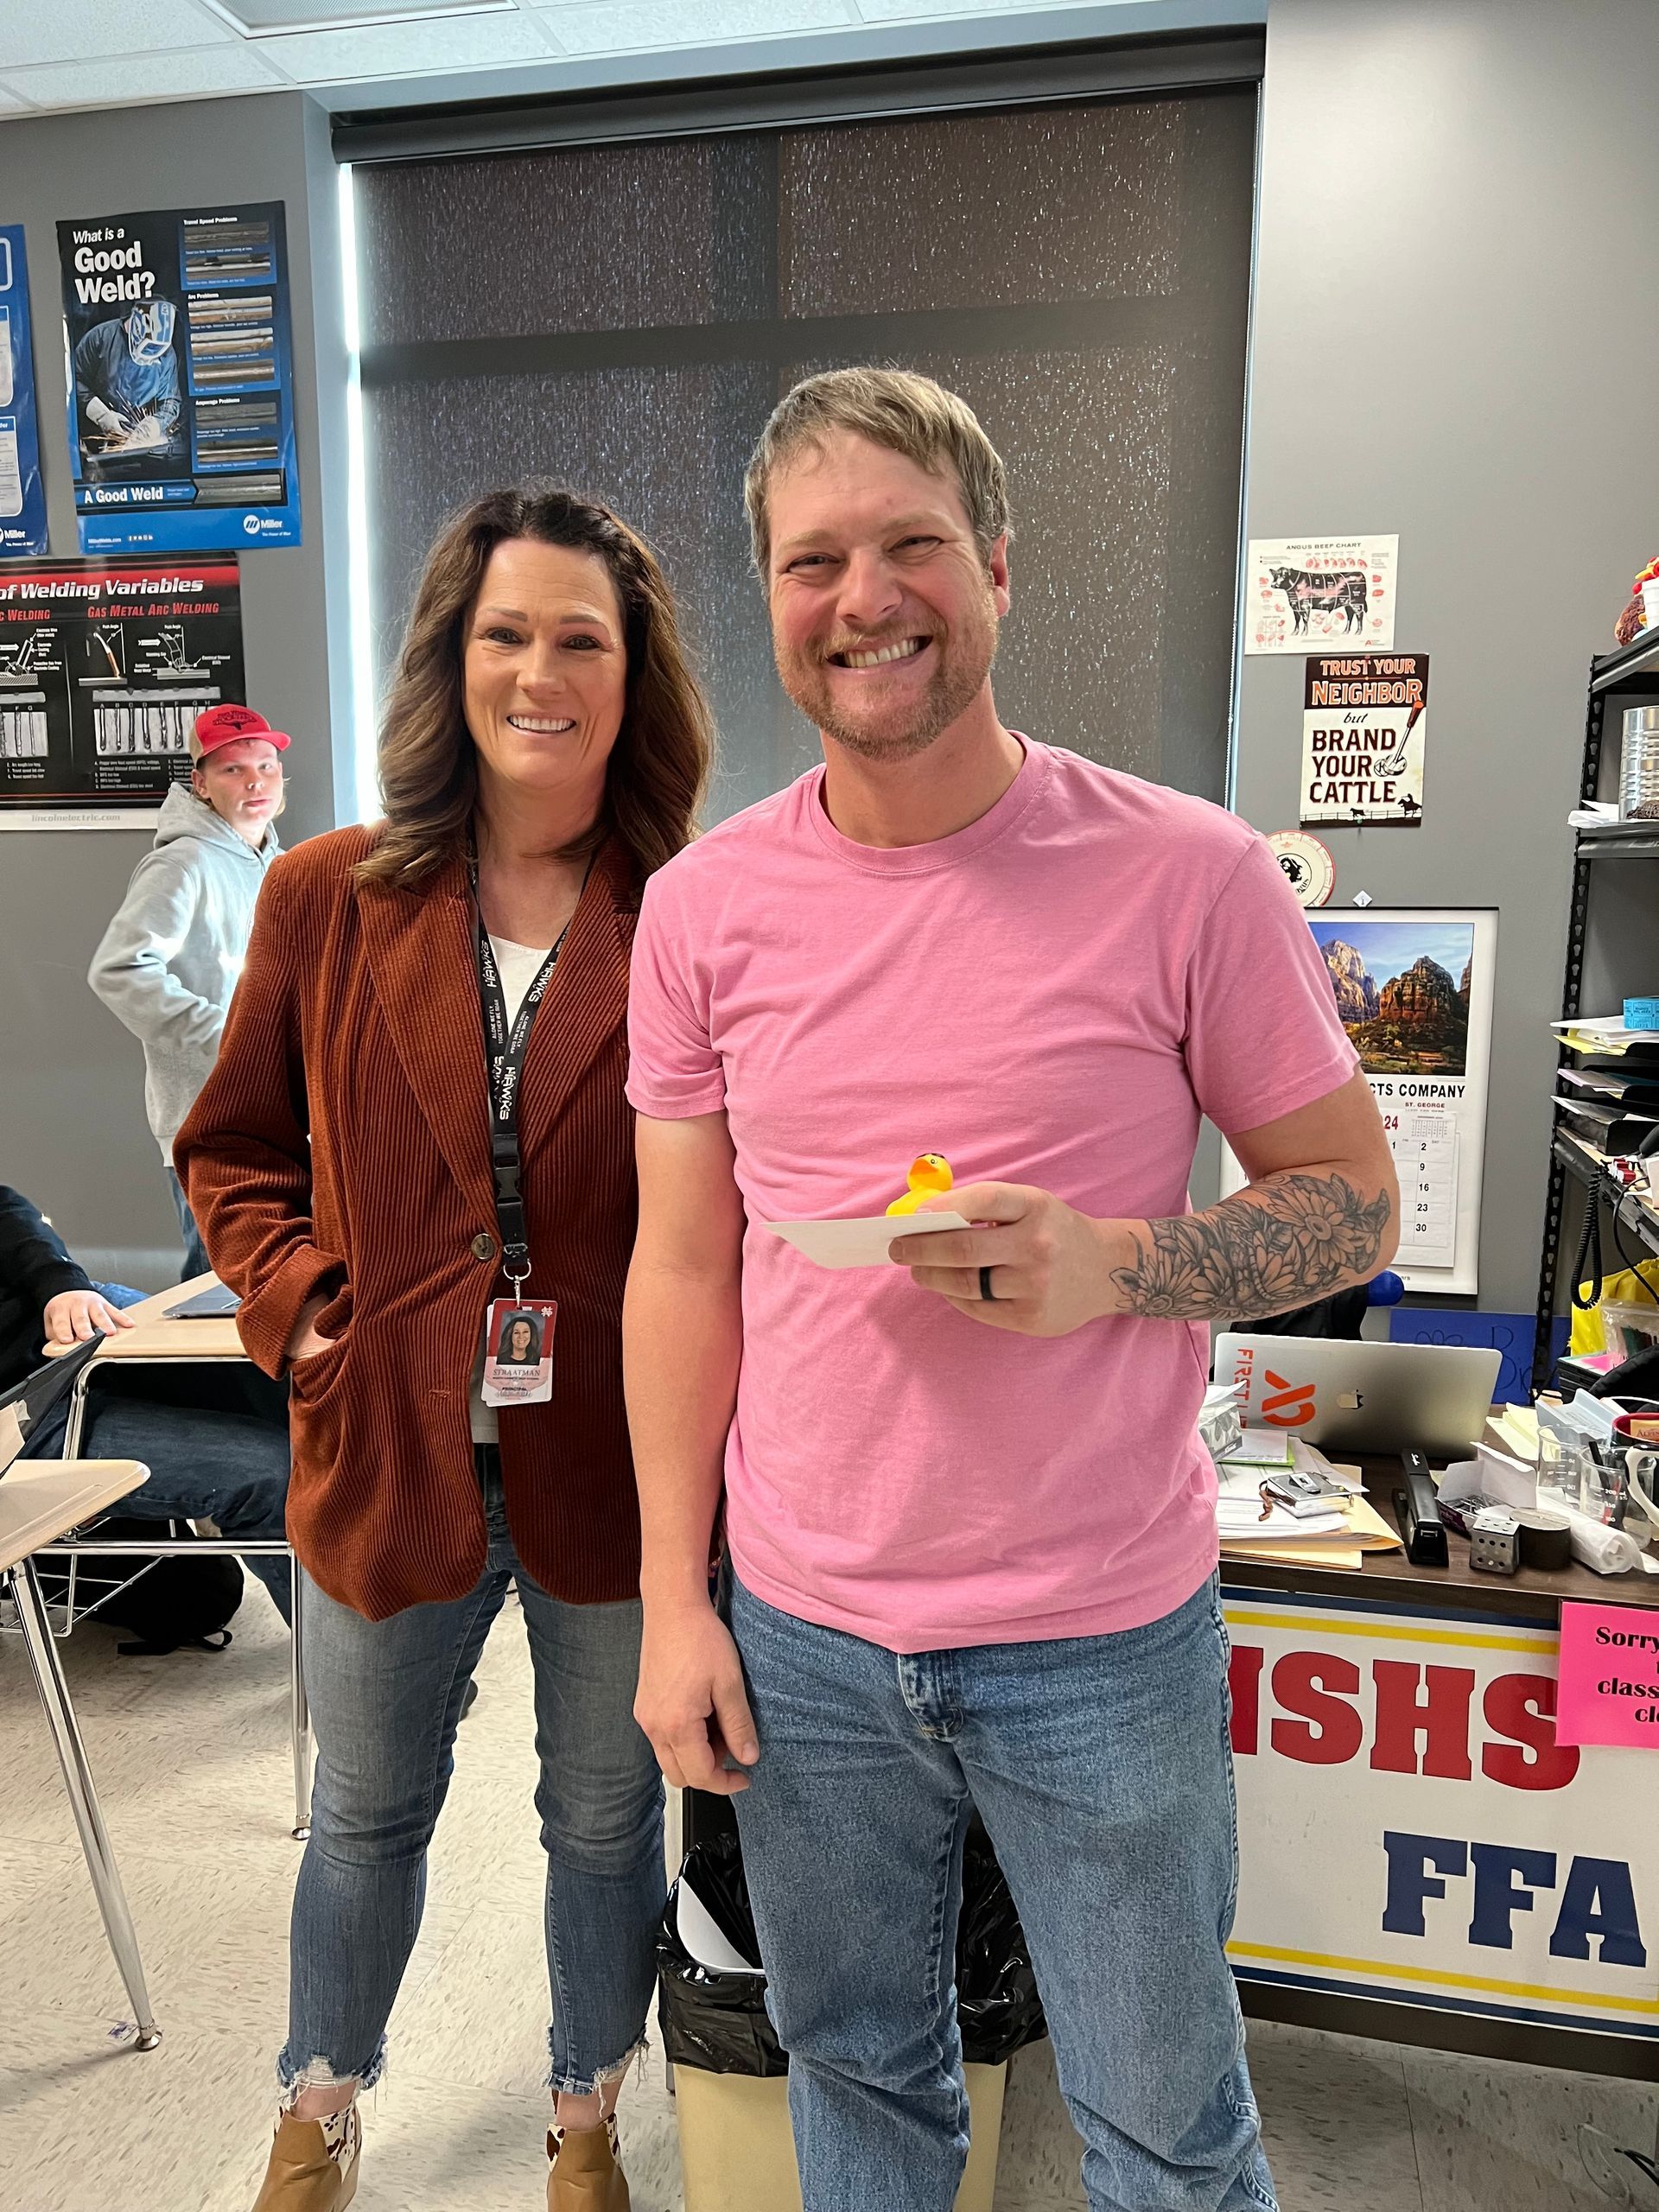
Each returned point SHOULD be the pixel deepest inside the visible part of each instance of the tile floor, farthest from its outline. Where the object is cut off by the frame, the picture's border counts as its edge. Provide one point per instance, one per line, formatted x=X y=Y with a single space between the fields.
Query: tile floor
x=191 y=1755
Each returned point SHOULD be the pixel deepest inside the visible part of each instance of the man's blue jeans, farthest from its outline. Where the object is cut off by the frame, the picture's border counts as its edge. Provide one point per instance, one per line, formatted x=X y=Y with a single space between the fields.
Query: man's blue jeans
x=385 y=1699
x=1101 y=1768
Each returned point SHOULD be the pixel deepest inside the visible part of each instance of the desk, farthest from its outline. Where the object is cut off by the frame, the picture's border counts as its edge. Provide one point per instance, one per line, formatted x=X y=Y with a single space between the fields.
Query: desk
x=1409 y=1834
x=39 y=1499
x=156 y=1340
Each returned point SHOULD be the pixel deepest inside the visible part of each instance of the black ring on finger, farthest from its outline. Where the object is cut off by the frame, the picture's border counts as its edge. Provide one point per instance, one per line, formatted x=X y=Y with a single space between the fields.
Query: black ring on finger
x=985 y=1290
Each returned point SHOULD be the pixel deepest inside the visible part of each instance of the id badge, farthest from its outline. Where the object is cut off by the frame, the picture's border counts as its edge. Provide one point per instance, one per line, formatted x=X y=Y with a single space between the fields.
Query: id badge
x=518 y=1351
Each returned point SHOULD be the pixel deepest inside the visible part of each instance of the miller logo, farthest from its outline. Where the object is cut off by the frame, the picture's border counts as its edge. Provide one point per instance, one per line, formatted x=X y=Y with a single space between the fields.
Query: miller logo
x=1291 y=1404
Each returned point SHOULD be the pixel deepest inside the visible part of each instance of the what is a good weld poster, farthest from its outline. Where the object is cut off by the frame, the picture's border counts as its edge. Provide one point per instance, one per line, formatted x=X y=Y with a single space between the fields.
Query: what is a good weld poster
x=104 y=668
x=22 y=496
x=180 y=375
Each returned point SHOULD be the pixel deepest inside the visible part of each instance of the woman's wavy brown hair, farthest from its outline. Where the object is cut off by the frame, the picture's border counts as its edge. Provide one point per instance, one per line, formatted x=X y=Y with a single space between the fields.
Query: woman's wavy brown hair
x=655 y=777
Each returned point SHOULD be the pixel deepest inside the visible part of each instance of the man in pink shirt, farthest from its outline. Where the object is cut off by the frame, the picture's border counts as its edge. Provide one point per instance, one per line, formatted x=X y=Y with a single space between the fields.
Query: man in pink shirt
x=971 y=1529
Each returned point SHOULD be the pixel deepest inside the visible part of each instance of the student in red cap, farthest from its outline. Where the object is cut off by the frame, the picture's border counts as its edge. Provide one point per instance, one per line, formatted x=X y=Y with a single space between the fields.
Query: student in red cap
x=170 y=957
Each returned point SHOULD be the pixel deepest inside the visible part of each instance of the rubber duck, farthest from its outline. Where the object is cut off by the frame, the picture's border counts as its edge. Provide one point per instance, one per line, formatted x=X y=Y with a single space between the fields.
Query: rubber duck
x=928 y=1175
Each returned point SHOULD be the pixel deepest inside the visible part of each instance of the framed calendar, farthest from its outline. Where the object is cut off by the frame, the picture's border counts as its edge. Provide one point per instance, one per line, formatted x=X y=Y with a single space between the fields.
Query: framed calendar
x=1414 y=988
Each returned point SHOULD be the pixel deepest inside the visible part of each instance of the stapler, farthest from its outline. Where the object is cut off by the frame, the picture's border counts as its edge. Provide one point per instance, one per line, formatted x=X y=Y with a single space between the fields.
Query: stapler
x=1417 y=1509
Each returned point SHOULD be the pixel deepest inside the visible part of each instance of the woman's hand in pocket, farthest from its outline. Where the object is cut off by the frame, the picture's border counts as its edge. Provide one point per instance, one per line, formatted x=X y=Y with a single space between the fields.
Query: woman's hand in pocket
x=305 y=1342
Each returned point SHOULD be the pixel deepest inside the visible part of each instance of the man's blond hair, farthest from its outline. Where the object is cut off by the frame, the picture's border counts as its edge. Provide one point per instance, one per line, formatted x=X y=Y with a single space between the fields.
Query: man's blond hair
x=907 y=414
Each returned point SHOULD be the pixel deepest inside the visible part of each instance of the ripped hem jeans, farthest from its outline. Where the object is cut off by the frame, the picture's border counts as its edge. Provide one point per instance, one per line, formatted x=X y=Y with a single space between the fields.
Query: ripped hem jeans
x=385 y=1700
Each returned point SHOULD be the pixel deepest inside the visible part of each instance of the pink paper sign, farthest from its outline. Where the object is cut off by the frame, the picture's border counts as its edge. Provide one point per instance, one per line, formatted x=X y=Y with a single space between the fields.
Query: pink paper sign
x=1608 y=1690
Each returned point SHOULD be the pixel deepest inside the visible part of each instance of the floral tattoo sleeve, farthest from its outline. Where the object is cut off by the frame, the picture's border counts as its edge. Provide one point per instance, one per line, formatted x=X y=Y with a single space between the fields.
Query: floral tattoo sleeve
x=1285 y=1243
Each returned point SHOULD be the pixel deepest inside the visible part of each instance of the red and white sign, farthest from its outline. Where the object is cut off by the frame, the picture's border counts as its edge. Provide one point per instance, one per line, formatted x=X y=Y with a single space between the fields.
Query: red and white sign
x=1410 y=1828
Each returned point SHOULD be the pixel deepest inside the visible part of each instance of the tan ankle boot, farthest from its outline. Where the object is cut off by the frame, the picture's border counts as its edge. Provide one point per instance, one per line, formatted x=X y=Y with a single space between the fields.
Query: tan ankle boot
x=302 y=2176
x=585 y=2176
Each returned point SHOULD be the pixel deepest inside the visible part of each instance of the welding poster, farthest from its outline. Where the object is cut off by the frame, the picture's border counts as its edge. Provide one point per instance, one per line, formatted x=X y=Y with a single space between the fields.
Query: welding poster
x=1363 y=726
x=22 y=495
x=180 y=381
x=104 y=668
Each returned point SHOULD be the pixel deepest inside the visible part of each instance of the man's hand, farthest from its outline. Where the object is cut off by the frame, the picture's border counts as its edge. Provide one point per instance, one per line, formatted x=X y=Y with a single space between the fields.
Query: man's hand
x=305 y=1342
x=691 y=1701
x=74 y=1315
x=1050 y=1265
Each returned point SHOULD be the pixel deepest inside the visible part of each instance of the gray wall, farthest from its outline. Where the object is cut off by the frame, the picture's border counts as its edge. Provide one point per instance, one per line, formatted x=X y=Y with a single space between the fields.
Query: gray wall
x=1456 y=310
x=1457 y=299
x=72 y=1126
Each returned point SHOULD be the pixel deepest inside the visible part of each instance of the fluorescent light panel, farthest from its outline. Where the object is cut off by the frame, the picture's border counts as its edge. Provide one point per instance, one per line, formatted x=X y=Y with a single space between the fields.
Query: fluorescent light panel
x=277 y=18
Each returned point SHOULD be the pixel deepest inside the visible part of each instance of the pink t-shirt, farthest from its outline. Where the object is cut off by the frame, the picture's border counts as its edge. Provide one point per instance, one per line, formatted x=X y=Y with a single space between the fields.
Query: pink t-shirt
x=1054 y=996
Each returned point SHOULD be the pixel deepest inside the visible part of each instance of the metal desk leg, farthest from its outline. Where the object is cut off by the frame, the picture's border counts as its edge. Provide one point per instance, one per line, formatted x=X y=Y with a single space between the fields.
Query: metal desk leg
x=25 y=1589
x=76 y=1425
x=300 y=1713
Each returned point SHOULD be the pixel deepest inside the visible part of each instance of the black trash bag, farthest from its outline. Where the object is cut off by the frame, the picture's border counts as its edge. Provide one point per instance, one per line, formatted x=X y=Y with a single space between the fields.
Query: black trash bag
x=713 y=2020
x=998 y=2008
x=718 y=2021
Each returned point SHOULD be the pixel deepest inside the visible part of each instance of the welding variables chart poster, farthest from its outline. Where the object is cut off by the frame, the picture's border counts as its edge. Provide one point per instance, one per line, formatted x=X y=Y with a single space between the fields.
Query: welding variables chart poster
x=22 y=495
x=104 y=668
x=180 y=380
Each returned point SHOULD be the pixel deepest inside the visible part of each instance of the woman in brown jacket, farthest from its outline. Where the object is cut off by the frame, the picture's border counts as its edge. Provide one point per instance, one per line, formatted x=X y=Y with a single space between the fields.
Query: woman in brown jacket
x=415 y=1131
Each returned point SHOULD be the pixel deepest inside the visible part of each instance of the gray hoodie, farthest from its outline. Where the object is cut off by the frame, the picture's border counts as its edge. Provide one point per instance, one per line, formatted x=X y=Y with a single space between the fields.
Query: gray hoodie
x=170 y=958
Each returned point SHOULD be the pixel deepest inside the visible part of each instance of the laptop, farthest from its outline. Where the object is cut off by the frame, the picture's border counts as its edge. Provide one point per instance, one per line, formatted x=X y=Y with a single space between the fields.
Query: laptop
x=26 y=1403
x=1364 y=1396
x=217 y=1303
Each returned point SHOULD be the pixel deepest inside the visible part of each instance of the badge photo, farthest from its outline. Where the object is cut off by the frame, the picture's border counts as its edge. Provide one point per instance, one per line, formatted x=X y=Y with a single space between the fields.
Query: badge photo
x=518 y=1351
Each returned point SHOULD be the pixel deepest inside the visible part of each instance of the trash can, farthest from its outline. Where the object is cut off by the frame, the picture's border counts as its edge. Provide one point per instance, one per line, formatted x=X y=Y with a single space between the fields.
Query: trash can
x=731 y=2091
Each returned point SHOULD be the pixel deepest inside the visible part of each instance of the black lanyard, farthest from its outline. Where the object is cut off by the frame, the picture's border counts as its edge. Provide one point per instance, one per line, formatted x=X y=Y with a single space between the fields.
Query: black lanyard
x=505 y=1046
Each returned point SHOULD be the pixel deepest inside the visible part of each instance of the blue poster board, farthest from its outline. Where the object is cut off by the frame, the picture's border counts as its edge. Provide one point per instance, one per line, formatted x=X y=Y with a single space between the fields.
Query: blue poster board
x=22 y=495
x=180 y=380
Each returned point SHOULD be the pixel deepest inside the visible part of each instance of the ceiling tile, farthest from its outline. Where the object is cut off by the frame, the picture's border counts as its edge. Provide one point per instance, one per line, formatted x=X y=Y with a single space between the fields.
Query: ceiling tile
x=408 y=49
x=78 y=30
x=11 y=102
x=624 y=26
x=891 y=11
x=146 y=77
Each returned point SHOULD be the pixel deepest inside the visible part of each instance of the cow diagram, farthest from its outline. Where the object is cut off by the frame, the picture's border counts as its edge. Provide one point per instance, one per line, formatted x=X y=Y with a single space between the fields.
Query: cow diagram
x=1336 y=592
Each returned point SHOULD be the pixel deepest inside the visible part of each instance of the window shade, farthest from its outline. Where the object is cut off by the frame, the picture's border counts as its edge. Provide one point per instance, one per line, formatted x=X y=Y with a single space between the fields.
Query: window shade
x=624 y=316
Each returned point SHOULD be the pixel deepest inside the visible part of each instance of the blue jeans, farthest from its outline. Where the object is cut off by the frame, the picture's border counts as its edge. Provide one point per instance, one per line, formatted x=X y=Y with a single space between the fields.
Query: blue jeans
x=385 y=1698
x=196 y=1261
x=1101 y=1768
x=228 y=1468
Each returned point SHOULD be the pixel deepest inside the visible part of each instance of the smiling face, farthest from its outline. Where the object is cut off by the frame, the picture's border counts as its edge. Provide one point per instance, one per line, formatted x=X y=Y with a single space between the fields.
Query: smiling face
x=243 y=784
x=884 y=611
x=520 y=1336
x=544 y=674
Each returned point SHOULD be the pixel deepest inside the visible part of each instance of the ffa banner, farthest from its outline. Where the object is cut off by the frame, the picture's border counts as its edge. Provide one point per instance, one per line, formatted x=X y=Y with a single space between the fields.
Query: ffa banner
x=1410 y=1829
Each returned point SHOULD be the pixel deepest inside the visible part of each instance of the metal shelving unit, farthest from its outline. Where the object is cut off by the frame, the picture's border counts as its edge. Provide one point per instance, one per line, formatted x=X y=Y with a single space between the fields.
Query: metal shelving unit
x=1631 y=673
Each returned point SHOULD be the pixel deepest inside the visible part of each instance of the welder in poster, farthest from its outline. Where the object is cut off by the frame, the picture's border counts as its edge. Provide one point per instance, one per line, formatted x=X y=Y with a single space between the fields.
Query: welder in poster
x=181 y=401
x=127 y=394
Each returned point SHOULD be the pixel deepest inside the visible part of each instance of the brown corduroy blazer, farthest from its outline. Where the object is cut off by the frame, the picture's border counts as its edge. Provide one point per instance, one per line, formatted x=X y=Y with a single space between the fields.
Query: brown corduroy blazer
x=356 y=1025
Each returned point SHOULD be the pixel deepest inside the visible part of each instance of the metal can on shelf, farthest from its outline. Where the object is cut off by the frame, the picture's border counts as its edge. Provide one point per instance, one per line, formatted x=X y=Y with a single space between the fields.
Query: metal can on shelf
x=1638 y=780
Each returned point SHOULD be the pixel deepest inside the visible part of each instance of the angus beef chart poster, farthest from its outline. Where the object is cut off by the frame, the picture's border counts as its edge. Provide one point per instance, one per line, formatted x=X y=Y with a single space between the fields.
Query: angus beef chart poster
x=1320 y=594
x=180 y=372
x=104 y=667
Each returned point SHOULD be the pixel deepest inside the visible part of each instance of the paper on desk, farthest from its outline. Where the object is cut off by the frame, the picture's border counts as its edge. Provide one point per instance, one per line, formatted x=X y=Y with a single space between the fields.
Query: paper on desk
x=1324 y=1553
x=863 y=1243
x=1260 y=1447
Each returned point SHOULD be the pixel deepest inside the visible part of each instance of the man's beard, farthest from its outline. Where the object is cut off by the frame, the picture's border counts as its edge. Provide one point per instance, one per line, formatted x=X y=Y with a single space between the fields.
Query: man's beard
x=964 y=662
